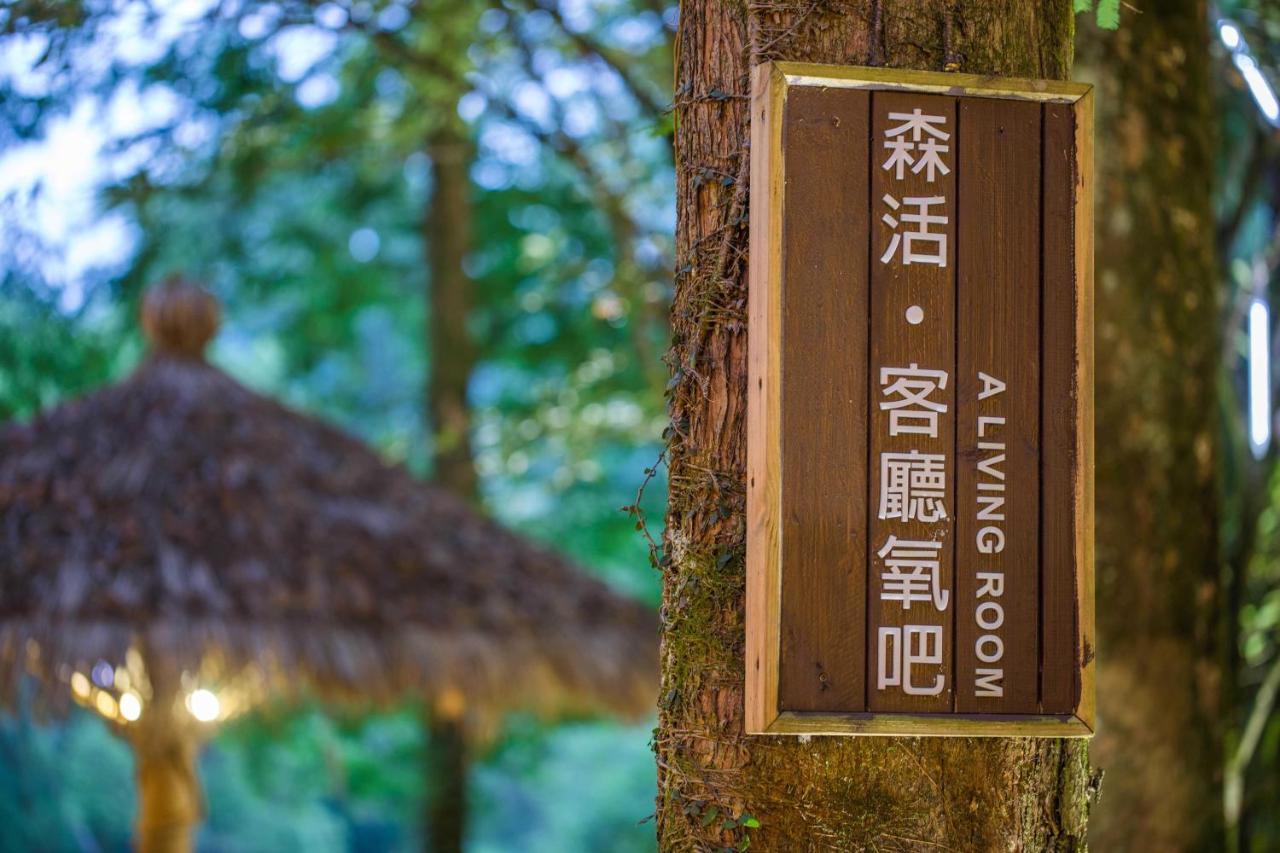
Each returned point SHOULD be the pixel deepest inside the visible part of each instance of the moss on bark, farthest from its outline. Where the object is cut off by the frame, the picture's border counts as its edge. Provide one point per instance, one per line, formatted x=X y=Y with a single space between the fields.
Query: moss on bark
x=715 y=783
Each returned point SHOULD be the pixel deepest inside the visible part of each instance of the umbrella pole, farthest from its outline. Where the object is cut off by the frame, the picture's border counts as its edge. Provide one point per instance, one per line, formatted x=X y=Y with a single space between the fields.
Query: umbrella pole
x=170 y=803
x=446 y=783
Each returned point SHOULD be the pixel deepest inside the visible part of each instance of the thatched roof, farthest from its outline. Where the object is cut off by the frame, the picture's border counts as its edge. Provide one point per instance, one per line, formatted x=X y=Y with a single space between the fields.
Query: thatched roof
x=183 y=514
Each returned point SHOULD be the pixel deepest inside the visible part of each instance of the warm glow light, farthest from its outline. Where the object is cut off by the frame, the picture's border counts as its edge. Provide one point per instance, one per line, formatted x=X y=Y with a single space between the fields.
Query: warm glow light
x=451 y=704
x=203 y=705
x=1259 y=377
x=80 y=685
x=130 y=706
x=106 y=704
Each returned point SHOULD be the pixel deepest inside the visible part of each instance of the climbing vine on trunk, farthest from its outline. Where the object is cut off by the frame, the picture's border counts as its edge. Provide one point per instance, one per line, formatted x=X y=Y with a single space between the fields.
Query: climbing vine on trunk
x=719 y=788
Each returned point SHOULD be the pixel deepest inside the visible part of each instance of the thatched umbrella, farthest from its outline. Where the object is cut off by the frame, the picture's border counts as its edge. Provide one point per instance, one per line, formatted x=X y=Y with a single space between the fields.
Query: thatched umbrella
x=176 y=548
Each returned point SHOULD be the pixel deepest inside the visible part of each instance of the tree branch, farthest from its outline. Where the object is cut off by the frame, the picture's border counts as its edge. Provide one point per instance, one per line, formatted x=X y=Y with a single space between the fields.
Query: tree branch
x=624 y=229
x=1233 y=785
x=1249 y=180
x=589 y=47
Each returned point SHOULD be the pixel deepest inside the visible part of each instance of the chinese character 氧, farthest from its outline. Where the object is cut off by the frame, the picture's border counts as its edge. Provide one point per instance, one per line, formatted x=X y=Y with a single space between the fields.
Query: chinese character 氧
x=920 y=585
x=900 y=649
x=912 y=486
x=912 y=412
x=933 y=243
x=929 y=146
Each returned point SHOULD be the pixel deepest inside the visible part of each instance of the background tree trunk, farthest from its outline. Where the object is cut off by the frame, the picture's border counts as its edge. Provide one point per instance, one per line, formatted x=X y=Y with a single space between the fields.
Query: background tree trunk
x=1159 y=341
x=446 y=778
x=824 y=793
x=452 y=354
x=451 y=358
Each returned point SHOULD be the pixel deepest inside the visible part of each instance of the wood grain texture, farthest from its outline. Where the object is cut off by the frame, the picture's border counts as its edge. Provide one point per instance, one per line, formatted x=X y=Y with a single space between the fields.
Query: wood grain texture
x=764 y=582
x=836 y=793
x=932 y=725
x=897 y=345
x=1083 y=484
x=824 y=400
x=929 y=82
x=807 y=486
x=998 y=407
x=1060 y=399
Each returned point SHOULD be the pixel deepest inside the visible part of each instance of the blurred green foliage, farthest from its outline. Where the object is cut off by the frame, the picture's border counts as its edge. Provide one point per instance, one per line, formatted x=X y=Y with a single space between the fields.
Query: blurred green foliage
x=1248 y=197
x=1106 y=12
x=276 y=152
x=309 y=782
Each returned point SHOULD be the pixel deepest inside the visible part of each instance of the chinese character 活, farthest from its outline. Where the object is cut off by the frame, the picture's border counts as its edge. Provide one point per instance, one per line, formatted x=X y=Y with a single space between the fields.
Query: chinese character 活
x=912 y=486
x=922 y=583
x=926 y=140
x=900 y=649
x=912 y=412
x=933 y=243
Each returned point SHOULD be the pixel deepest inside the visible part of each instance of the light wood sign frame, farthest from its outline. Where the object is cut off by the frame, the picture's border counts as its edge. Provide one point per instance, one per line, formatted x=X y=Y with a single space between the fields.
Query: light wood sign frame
x=920 y=405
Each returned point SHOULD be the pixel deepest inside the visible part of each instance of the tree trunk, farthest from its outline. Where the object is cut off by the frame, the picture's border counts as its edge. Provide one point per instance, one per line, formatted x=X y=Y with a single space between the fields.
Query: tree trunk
x=170 y=803
x=1159 y=341
x=452 y=353
x=825 y=792
x=451 y=359
x=447 y=777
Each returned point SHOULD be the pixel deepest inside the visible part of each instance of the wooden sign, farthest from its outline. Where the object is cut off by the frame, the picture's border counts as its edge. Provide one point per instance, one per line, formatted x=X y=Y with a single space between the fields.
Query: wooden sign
x=920 y=448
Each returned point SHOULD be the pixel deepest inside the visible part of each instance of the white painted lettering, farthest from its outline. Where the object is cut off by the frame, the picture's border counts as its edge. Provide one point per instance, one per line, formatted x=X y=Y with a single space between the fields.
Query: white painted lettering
x=990 y=386
x=992 y=584
x=990 y=615
x=994 y=642
x=989 y=682
x=990 y=541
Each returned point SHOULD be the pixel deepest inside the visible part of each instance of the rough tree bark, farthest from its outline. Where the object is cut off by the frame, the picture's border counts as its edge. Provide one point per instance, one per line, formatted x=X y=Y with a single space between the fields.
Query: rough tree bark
x=824 y=793
x=1159 y=339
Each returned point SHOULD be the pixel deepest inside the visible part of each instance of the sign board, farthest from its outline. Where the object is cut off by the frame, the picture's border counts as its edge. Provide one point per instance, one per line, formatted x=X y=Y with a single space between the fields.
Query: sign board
x=920 y=448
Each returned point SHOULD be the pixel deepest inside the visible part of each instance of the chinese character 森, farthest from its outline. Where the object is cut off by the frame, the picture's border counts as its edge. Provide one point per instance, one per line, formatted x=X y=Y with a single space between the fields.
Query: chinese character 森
x=922 y=151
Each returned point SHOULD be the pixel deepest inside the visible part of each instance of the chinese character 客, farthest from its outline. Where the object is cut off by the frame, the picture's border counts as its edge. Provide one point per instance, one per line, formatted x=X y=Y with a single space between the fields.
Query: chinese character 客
x=929 y=146
x=922 y=584
x=900 y=649
x=933 y=243
x=912 y=412
x=912 y=486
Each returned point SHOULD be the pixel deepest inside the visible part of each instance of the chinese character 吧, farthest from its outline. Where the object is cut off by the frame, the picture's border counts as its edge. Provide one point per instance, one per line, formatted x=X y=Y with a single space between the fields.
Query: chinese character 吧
x=901 y=649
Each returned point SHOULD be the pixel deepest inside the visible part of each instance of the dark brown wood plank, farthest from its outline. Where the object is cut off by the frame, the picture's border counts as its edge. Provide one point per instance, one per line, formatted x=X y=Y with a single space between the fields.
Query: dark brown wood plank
x=1060 y=405
x=912 y=339
x=998 y=408
x=824 y=400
